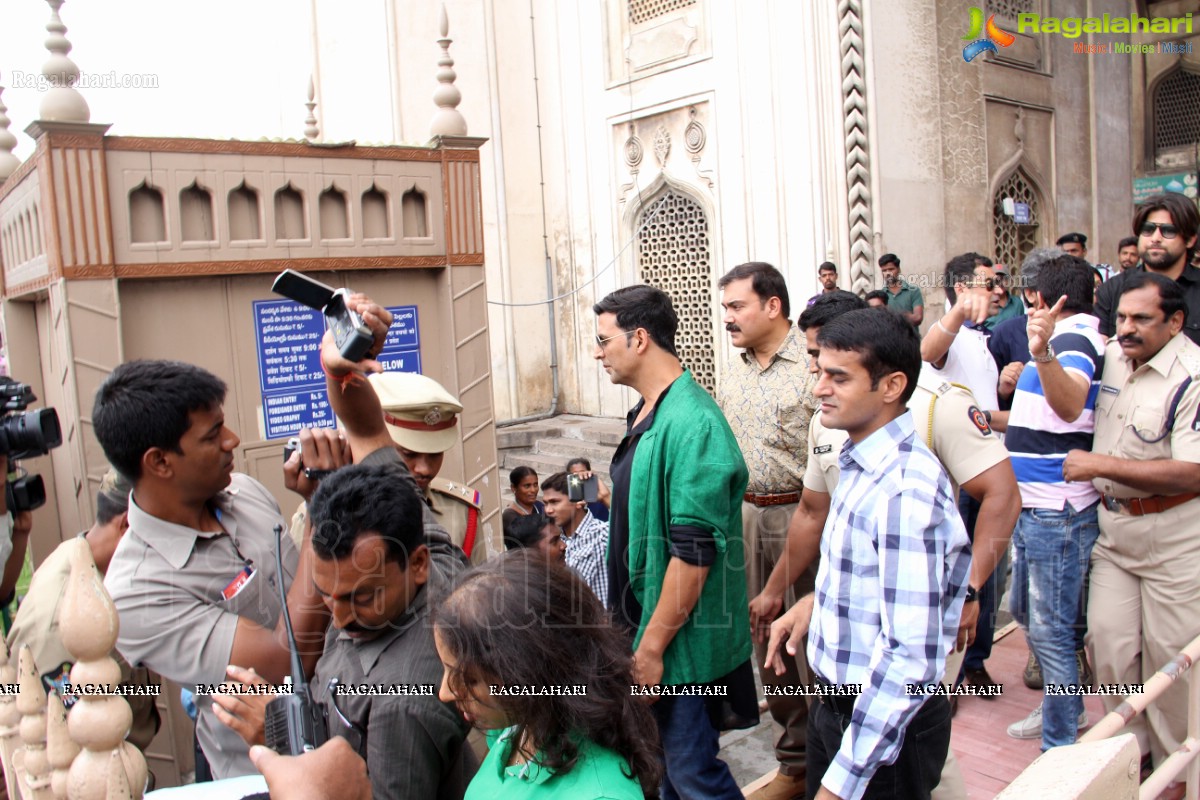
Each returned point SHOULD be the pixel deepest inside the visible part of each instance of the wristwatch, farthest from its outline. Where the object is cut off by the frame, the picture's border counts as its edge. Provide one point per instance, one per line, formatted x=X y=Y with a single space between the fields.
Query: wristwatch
x=1046 y=359
x=972 y=594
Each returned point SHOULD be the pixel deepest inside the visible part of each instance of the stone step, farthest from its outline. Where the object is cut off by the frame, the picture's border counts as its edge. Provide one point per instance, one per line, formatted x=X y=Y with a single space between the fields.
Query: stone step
x=599 y=455
x=598 y=430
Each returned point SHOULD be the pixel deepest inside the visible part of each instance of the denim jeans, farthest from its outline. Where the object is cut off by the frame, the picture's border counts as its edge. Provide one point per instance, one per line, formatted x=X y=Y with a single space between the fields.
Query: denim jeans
x=690 y=746
x=1053 y=549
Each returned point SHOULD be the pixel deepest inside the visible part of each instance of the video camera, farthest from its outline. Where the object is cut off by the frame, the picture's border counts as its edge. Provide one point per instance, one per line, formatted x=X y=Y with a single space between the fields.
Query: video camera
x=25 y=434
x=352 y=335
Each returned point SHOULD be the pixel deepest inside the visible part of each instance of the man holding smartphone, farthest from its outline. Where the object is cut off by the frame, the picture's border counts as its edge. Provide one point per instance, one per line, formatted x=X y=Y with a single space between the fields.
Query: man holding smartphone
x=586 y=537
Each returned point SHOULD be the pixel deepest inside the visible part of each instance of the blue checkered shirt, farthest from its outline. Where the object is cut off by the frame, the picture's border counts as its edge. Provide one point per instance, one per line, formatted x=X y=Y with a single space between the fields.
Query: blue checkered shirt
x=587 y=555
x=890 y=589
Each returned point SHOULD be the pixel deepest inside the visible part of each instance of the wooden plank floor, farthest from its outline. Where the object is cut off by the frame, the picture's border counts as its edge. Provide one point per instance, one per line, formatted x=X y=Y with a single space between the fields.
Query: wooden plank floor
x=989 y=757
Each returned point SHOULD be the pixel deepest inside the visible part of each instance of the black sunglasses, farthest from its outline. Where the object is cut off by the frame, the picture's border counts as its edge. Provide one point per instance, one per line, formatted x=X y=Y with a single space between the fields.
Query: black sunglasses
x=1167 y=231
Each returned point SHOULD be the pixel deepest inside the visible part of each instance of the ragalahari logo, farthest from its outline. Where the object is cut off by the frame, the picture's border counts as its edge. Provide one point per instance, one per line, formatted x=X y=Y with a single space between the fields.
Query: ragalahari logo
x=984 y=37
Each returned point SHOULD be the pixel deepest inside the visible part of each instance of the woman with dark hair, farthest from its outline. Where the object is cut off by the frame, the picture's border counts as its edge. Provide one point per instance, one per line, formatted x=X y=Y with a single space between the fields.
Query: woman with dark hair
x=524 y=483
x=514 y=630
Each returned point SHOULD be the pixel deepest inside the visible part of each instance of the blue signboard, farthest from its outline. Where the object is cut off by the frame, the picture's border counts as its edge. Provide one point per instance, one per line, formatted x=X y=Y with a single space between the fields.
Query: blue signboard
x=288 y=337
x=1021 y=214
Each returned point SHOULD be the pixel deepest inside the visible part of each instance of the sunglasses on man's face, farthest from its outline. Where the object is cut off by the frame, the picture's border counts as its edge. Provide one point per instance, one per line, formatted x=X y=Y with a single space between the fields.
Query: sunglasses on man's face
x=982 y=283
x=1167 y=231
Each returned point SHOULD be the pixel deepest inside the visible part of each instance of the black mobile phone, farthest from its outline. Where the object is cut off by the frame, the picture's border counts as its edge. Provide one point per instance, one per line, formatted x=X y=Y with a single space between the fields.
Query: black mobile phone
x=579 y=489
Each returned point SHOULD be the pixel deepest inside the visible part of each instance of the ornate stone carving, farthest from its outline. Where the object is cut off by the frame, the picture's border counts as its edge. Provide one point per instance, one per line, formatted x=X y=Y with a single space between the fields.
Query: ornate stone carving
x=662 y=145
x=31 y=702
x=633 y=150
x=99 y=723
x=448 y=121
x=10 y=720
x=62 y=103
x=8 y=142
x=311 y=131
x=694 y=135
x=858 y=160
x=60 y=750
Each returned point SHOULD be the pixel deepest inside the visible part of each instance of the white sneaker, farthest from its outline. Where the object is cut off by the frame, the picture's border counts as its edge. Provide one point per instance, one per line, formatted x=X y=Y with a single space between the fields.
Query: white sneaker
x=1031 y=726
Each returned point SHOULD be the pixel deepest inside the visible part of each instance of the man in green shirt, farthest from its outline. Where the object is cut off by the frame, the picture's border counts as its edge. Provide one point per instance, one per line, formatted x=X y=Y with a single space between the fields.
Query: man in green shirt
x=902 y=295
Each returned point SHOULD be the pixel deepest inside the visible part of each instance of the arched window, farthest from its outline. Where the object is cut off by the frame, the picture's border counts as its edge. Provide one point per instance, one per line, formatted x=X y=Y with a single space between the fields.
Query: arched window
x=674 y=255
x=1014 y=240
x=1176 y=111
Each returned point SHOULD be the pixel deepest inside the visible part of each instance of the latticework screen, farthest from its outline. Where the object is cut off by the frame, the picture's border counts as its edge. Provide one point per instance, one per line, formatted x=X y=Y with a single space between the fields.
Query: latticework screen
x=1009 y=9
x=1177 y=110
x=1013 y=241
x=673 y=255
x=646 y=10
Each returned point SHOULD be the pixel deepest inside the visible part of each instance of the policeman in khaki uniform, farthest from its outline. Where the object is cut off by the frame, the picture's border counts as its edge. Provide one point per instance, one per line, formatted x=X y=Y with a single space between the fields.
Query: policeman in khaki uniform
x=948 y=421
x=422 y=418
x=1144 y=606
x=37 y=625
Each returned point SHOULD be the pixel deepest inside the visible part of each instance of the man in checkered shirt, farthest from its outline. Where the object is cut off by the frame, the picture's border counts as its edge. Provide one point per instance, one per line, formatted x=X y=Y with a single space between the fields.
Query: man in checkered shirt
x=892 y=580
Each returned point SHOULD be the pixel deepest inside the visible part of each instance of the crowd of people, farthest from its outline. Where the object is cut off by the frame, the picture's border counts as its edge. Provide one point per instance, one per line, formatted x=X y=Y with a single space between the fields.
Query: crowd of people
x=841 y=515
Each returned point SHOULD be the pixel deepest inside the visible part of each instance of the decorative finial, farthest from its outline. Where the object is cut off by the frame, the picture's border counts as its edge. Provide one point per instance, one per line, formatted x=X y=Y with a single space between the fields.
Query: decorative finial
x=447 y=121
x=8 y=142
x=63 y=103
x=311 y=131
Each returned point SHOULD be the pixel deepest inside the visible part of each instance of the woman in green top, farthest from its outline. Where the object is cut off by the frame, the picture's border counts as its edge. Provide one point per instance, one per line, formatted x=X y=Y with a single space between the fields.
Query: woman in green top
x=531 y=658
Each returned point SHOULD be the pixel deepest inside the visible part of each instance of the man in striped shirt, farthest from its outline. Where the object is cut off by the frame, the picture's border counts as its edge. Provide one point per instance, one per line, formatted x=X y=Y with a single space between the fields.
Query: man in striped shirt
x=1052 y=414
x=892 y=579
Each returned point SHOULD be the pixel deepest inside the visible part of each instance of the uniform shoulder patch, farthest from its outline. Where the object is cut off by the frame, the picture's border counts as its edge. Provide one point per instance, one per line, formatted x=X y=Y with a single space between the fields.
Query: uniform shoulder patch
x=979 y=420
x=1190 y=359
x=456 y=491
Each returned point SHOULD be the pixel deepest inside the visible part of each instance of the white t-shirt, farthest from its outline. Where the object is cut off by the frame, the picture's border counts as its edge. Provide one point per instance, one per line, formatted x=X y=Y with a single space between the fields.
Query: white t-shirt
x=970 y=363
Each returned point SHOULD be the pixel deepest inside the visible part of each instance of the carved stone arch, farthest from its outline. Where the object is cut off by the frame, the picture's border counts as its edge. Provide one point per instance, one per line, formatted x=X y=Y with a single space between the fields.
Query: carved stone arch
x=1019 y=179
x=673 y=250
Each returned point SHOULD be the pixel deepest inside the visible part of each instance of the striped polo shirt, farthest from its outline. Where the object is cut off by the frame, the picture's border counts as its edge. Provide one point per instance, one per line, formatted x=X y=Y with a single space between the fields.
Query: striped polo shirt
x=1038 y=439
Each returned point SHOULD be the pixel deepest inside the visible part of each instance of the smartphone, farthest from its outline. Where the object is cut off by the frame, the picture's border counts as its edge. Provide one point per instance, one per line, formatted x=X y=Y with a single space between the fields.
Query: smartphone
x=580 y=489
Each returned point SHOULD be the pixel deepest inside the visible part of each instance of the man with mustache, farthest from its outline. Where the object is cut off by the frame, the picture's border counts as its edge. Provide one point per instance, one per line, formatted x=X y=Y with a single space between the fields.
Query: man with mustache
x=767 y=399
x=1166 y=226
x=1145 y=460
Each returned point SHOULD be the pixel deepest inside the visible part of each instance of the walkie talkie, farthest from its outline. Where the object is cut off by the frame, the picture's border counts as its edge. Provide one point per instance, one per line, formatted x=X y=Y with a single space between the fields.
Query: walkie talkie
x=294 y=723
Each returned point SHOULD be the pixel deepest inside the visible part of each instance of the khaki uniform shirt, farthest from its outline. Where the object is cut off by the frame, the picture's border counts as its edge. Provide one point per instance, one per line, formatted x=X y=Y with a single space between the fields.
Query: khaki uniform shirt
x=36 y=625
x=456 y=508
x=168 y=583
x=1140 y=400
x=768 y=410
x=945 y=418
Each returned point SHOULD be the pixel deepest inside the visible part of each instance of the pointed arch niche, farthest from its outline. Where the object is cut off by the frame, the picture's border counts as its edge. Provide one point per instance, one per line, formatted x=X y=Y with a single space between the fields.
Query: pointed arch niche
x=413 y=211
x=147 y=215
x=334 y=213
x=376 y=222
x=289 y=214
x=196 y=213
x=245 y=215
x=1011 y=242
x=674 y=253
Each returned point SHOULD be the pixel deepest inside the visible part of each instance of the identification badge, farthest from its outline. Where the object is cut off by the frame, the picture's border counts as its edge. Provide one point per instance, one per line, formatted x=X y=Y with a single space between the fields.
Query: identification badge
x=240 y=582
x=1109 y=389
x=822 y=450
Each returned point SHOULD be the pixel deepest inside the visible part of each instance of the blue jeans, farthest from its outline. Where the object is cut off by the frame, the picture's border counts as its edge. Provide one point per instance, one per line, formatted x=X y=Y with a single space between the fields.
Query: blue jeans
x=690 y=746
x=1053 y=549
